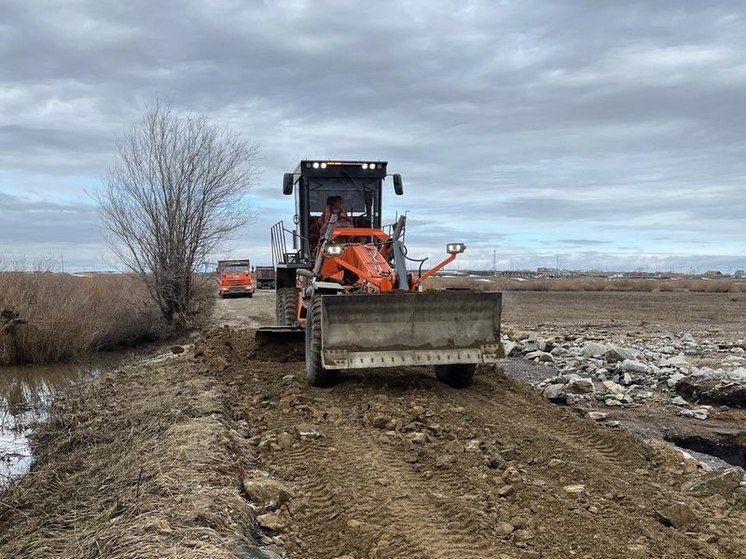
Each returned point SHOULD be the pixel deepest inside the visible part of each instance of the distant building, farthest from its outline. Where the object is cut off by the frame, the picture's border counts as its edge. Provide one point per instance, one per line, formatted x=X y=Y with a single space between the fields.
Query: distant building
x=739 y=274
x=714 y=273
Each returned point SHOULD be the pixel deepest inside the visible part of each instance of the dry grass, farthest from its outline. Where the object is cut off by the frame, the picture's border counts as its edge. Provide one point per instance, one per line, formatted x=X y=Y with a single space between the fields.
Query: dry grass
x=688 y=285
x=135 y=464
x=66 y=315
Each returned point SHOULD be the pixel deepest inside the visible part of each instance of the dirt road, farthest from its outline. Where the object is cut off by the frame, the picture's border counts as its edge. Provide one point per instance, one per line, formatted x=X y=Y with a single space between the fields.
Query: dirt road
x=163 y=458
x=391 y=463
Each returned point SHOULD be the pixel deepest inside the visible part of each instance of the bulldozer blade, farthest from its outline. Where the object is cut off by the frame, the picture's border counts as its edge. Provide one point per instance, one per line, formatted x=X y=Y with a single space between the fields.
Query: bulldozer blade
x=388 y=330
x=279 y=334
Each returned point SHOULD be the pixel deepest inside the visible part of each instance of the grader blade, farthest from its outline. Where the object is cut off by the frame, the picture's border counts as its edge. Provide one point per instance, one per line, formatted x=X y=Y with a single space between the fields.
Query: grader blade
x=396 y=329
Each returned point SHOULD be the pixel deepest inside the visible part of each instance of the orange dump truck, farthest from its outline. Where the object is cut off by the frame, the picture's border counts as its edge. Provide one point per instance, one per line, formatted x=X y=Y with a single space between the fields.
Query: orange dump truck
x=234 y=277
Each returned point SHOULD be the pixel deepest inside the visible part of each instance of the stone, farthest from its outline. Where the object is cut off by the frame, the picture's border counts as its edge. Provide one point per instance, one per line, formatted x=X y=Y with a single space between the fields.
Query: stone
x=444 y=461
x=555 y=392
x=631 y=366
x=285 y=440
x=505 y=490
x=593 y=349
x=575 y=490
x=523 y=535
x=555 y=463
x=380 y=421
x=308 y=431
x=510 y=348
x=720 y=482
x=243 y=551
x=472 y=445
x=503 y=529
x=700 y=413
x=626 y=379
x=580 y=386
x=680 y=361
x=673 y=379
x=176 y=349
x=272 y=521
x=266 y=492
x=613 y=387
x=615 y=354
x=612 y=402
x=597 y=415
x=679 y=401
x=679 y=515
x=541 y=356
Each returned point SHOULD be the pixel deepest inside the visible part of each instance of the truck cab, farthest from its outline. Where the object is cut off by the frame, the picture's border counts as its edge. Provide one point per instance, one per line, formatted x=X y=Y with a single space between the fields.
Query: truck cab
x=358 y=183
x=234 y=278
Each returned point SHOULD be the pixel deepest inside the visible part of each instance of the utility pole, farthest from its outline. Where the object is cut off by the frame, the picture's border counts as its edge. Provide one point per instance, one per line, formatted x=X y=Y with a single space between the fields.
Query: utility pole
x=494 y=262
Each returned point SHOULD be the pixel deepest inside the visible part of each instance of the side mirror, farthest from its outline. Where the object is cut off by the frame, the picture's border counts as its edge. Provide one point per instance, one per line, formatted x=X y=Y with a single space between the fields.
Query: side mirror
x=287 y=184
x=398 y=186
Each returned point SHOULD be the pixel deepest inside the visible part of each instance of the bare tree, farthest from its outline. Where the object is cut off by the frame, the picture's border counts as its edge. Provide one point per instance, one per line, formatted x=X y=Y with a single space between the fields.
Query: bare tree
x=177 y=190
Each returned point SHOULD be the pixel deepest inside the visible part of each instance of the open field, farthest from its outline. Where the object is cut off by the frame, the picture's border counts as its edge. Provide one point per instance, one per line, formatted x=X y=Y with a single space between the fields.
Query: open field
x=224 y=451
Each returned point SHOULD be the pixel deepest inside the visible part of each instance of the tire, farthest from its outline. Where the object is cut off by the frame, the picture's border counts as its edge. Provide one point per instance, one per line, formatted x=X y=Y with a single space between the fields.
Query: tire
x=316 y=375
x=457 y=376
x=285 y=306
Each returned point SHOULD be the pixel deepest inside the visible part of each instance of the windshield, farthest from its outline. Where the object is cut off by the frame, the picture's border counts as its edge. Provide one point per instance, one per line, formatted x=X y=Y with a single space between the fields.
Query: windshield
x=357 y=194
x=235 y=269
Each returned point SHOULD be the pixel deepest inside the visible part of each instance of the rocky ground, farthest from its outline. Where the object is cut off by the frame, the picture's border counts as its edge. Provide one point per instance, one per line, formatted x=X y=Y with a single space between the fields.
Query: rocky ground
x=224 y=451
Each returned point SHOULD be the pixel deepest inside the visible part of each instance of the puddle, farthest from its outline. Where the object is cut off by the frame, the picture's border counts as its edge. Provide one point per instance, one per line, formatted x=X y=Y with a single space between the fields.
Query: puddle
x=726 y=449
x=25 y=393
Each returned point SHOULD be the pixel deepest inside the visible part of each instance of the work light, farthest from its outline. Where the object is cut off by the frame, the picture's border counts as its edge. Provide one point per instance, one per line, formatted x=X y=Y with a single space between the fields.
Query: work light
x=333 y=250
x=455 y=248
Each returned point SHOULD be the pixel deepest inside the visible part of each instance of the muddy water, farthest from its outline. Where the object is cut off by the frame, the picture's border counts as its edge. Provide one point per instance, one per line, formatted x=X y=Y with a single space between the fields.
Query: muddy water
x=25 y=393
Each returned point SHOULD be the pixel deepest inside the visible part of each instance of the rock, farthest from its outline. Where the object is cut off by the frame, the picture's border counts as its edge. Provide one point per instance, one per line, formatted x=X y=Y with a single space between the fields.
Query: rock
x=678 y=515
x=472 y=446
x=555 y=392
x=243 y=551
x=580 y=386
x=575 y=490
x=680 y=361
x=612 y=402
x=308 y=431
x=555 y=463
x=272 y=521
x=673 y=379
x=176 y=349
x=597 y=415
x=541 y=356
x=380 y=421
x=444 y=461
x=505 y=490
x=613 y=387
x=679 y=401
x=267 y=493
x=613 y=424
x=630 y=366
x=686 y=413
x=615 y=354
x=593 y=349
x=721 y=482
x=510 y=348
x=503 y=529
x=523 y=535
x=700 y=413
x=221 y=363
x=626 y=379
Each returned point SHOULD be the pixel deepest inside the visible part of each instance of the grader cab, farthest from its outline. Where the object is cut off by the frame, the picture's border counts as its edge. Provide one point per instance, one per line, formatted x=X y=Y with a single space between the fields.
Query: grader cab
x=343 y=284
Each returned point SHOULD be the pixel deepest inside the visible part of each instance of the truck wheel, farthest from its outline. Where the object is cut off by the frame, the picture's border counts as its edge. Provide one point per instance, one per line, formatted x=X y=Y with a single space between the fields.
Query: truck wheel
x=316 y=375
x=458 y=376
x=285 y=306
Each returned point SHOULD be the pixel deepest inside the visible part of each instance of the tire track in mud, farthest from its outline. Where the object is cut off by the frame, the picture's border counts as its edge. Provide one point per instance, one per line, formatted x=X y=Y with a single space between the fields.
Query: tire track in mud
x=500 y=403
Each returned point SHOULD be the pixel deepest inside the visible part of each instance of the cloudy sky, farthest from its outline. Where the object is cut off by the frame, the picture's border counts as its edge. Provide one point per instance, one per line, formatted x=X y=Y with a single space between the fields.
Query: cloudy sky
x=590 y=134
